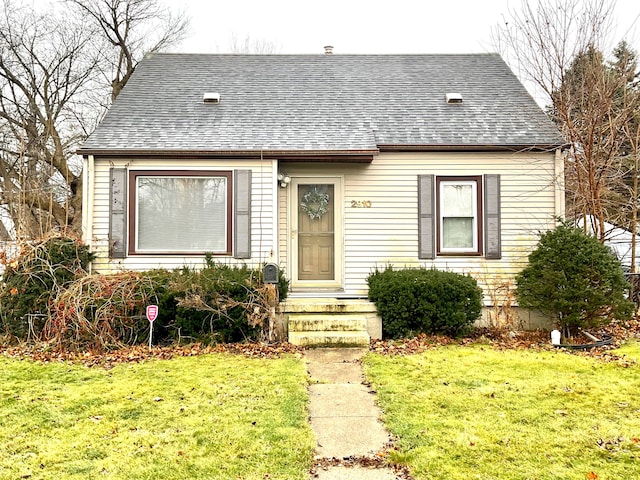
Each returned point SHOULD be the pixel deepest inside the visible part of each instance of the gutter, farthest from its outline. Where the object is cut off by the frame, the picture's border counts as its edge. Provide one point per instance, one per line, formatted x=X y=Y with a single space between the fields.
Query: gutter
x=308 y=155
x=551 y=147
x=360 y=155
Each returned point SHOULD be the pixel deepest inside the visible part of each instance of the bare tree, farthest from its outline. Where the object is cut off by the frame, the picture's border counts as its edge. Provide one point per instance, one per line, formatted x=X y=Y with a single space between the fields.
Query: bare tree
x=557 y=45
x=56 y=72
x=540 y=41
x=132 y=28
x=4 y=234
x=626 y=61
x=593 y=109
x=45 y=69
x=258 y=46
x=633 y=134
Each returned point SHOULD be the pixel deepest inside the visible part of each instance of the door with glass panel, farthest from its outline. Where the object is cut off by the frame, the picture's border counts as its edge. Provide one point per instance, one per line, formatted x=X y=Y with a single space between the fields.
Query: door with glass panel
x=316 y=232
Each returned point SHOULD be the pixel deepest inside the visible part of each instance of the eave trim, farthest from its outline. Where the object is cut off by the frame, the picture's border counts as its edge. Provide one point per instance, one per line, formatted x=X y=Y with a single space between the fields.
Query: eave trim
x=472 y=148
x=310 y=155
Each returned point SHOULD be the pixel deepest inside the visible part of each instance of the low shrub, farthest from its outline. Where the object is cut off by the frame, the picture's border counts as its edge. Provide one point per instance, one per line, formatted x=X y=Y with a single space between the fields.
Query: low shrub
x=47 y=294
x=212 y=304
x=102 y=312
x=574 y=278
x=413 y=301
x=32 y=281
x=218 y=303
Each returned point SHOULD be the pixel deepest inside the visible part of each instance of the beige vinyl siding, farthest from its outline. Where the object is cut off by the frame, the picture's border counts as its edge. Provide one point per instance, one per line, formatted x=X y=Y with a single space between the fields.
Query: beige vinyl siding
x=283 y=229
x=387 y=232
x=262 y=221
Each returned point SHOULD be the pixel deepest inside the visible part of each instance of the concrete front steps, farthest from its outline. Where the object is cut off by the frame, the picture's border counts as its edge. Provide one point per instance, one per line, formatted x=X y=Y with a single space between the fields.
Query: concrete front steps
x=330 y=322
x=323 y=330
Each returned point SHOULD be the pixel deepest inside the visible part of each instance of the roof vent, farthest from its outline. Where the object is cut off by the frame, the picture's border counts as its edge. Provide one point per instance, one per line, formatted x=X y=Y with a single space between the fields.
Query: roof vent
x=328 y=50
x=211 y=97
x=453 y=97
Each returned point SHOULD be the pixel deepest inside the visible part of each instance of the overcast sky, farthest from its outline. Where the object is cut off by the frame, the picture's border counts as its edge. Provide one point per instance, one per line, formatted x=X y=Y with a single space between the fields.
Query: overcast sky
x=363 y=26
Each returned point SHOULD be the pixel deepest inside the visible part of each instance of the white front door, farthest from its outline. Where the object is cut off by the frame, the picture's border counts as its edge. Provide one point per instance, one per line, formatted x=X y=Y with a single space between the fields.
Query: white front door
x=316 y=232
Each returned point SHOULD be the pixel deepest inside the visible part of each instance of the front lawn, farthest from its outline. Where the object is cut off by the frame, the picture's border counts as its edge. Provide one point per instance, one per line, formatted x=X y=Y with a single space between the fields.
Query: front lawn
x=475 y=412
x=212 y=417
x=460 y=412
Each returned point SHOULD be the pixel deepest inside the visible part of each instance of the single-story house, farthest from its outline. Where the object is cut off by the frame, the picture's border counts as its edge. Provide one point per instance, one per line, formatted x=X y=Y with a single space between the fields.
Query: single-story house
x=326 y=165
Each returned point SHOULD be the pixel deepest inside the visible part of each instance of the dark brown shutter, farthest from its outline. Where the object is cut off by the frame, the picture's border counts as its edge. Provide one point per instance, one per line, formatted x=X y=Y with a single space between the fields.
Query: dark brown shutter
x=492 y=222
x=242 y=214
x=117 y=213
x=426 y=217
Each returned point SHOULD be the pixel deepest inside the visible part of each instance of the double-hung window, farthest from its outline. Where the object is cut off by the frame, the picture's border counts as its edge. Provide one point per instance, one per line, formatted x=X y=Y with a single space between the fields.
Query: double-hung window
x=459 y=212
x=459 y=216
x=180 y=212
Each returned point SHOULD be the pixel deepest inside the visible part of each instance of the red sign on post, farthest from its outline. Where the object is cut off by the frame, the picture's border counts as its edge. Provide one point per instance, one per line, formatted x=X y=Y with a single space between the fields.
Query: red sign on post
x=152 y=312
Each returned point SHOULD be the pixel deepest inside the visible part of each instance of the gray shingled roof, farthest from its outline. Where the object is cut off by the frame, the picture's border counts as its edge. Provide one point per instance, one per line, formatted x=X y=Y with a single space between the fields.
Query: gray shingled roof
x=313 y=103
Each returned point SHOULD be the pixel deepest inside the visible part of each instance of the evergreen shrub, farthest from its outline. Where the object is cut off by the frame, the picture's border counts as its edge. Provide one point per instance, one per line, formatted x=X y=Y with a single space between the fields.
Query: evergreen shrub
x=32 y=281
x=575 y=279
x=218 y=303
x=414 y=301
x=74 y=310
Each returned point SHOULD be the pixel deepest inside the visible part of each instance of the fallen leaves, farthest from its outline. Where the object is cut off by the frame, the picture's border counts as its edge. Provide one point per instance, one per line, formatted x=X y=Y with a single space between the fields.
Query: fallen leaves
x=374 y=462
x=513 y=340
x=617 y=444
x=500 y=339
x=497 y=339
x=139 y=353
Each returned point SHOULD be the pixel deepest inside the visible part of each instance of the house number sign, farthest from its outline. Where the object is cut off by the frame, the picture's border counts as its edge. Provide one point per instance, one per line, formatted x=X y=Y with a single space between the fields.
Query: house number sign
x=360 y=203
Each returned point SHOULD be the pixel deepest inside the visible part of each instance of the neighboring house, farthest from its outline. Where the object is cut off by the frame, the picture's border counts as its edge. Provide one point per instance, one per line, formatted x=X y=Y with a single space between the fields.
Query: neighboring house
x=327 y=165
x=619 y=240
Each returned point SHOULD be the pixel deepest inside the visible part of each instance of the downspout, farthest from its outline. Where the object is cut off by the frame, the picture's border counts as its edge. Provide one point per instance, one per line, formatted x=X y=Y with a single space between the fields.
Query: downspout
x=559 y=179
x=276 y=210
x=88 y=177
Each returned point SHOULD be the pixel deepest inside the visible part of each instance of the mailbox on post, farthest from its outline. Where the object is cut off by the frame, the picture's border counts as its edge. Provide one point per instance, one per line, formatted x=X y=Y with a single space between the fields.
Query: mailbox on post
x=270 y=273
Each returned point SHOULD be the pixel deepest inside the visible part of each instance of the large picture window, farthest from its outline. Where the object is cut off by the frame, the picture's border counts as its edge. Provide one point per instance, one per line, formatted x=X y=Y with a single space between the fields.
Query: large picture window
x=180 y=212
x=459 y=213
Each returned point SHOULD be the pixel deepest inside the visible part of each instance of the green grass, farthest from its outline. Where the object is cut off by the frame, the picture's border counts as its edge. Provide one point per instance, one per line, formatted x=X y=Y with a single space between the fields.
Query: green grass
x=631 y=349
x=207 y=417
x=479 y=413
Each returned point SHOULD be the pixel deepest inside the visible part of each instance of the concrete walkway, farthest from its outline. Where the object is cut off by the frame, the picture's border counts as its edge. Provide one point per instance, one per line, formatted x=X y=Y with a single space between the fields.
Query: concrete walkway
x=344 y=417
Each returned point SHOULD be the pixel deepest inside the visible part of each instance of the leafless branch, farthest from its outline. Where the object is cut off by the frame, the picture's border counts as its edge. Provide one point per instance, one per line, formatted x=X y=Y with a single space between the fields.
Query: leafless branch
x=133 y=29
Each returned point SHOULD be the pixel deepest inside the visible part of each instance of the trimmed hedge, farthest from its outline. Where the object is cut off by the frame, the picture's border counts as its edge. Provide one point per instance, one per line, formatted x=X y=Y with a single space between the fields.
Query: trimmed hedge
x=414 y=301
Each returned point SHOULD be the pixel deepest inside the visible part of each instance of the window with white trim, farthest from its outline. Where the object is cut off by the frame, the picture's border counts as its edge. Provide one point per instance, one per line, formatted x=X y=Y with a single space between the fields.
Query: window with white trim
x=180 y=212
x=459 y=207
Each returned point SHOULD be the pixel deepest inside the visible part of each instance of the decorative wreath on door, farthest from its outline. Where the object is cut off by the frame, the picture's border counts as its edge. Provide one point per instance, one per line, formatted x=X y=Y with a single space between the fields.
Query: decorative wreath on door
x=314 y=203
